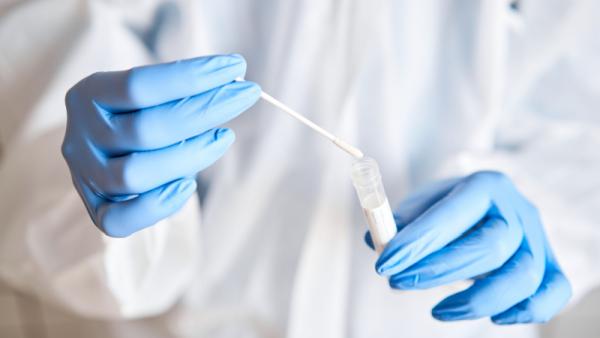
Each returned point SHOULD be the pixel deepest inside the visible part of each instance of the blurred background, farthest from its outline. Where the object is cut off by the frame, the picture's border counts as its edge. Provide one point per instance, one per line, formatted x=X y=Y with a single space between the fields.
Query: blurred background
x=21 y=315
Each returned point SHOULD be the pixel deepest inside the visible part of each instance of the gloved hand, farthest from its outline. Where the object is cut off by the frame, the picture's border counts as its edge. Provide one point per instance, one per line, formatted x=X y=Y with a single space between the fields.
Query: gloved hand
x=135 y=139
x=478 y=227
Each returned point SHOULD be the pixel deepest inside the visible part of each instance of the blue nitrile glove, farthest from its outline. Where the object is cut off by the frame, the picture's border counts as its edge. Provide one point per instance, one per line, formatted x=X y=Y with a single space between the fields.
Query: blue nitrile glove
x=477 y=227
x=135 y=139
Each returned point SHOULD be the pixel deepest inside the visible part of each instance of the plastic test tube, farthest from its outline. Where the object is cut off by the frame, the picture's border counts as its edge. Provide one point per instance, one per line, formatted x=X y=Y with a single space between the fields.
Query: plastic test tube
x=369 y=188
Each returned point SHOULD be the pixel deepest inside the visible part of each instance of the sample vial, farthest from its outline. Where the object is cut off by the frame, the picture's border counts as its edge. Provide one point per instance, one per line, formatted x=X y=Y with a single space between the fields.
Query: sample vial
x=369 y=188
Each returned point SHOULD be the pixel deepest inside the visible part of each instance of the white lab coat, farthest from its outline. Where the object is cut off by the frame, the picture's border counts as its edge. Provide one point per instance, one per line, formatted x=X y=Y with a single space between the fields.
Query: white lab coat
x=275 y=249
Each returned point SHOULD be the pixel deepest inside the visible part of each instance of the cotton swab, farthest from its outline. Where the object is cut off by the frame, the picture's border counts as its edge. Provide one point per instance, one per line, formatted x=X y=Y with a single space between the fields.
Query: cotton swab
x=336 y=140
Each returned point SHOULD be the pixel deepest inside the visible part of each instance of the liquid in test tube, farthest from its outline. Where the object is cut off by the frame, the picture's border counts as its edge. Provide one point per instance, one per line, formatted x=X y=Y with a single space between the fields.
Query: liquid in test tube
x=373 y=200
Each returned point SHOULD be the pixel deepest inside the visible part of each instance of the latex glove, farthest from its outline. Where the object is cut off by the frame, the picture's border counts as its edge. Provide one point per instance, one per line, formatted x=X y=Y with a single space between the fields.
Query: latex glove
x=135 y=139
x=478 y=227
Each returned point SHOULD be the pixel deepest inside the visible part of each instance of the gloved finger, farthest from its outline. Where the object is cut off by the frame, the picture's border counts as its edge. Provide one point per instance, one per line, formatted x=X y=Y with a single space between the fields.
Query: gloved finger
x=90 y=198
x=143 y=171
x=553 y=294
x=463 y=207
x=169 y=123
x=147 y=86
x=486 y=248
x=516 y=280
x=421 y=200
x=416 y=204
x=549 y=299
x=121 y=219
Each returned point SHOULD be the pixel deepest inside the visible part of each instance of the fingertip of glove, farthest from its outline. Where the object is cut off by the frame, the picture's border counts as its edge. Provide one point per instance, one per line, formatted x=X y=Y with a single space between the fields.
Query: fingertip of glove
x=224 y=67
x=238 y=61
x=236 y=58
x=247 y=87
x=255 y=89
x=174 y=190
x=224 y=134
x=223 y=138
x=226 y=60
x=383 y=264
x=187 y=186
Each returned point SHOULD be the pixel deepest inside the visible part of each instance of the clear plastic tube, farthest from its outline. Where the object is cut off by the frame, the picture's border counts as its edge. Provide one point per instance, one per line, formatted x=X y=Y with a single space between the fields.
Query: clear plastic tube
x=369 y=188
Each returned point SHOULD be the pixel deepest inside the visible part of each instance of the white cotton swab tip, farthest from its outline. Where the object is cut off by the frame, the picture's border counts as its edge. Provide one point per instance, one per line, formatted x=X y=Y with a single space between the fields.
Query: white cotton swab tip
x=345 y=146
x=350 y=149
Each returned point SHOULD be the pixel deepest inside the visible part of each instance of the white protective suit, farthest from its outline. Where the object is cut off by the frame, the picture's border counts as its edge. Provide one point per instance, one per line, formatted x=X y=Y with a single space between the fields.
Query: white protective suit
x=275 y=249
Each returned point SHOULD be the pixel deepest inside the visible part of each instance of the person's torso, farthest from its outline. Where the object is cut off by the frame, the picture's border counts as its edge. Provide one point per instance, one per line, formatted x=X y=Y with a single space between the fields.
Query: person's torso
x=281 y=228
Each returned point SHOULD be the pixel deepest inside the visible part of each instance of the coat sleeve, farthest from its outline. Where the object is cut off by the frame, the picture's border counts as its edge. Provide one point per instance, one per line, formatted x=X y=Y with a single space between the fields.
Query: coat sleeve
x=48 y=245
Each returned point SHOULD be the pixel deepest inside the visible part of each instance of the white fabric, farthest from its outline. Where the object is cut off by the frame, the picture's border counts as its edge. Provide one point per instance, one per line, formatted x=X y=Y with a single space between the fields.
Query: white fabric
x=427 y=88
